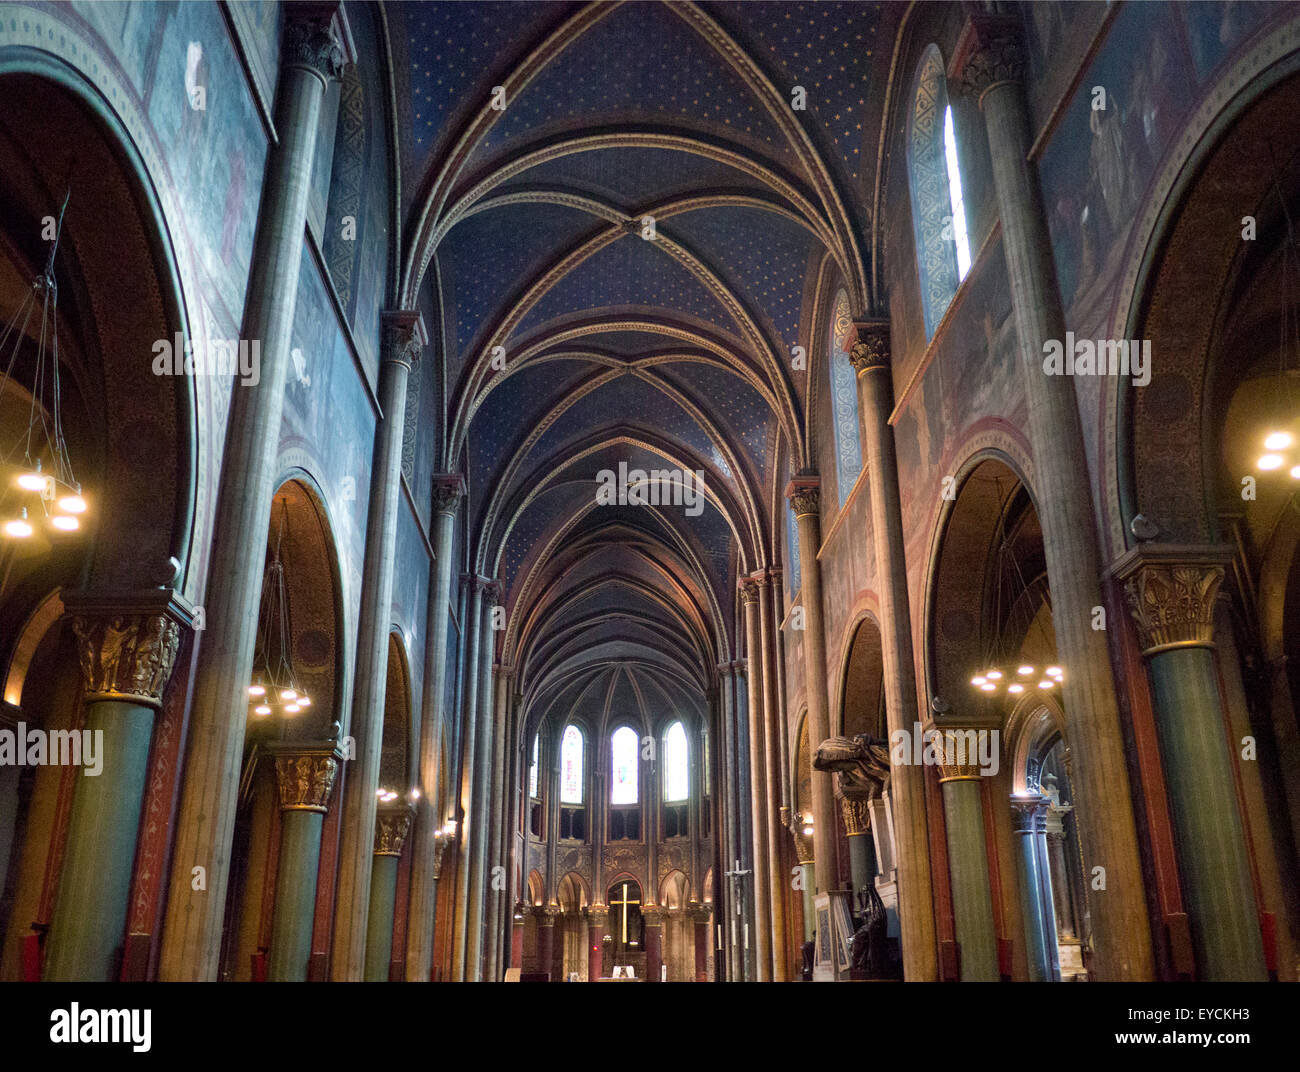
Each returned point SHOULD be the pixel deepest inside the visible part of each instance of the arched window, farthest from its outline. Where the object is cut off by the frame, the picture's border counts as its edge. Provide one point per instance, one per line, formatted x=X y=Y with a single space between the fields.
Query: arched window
x=532 y=771
x=676 y=769
x=844 y=396
x=571 y=766
x=622 y=786
x=938 y=207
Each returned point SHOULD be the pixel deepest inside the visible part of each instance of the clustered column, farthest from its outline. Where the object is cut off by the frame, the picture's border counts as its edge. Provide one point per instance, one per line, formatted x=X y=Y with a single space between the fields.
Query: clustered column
x=757 y=787
x=772 y=732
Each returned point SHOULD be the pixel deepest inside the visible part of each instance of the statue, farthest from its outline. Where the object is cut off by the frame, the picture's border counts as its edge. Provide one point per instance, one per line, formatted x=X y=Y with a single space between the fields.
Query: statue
x=862 y=763
x=868 y=948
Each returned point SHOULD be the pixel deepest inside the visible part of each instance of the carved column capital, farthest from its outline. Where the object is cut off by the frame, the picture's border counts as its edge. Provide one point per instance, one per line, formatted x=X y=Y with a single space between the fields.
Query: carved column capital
x=439 y=847
x=1027 y=814
x=699 y=913
x=392 y=824
x=803 y=843
x=314 y=39
x=748 y=591
x=990 y=52
x=871 y=350
x=404 y=336
x=956 y=753
x=1170 y=593
x=805 y=495
x=653 y=915
x=447 y=491
x=305 y=774
x=857 y=814
x=597 y=915
x=127 y=643
x=547 y=914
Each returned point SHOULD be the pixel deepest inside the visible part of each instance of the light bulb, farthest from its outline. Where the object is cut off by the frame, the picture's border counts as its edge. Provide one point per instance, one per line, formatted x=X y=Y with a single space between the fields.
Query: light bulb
x=72 y=504
x=415 y=794
x=31 y=481
x=380 y=792
x=19 y=528
x=989 y=687
x=304 y=700
x=261 y=709
x=977 y=681
x=1277 y=441
x=256 y=690
x=288 y=694
x=994 y=675
x=1025 y=671
x=1269 y=462
x=1295 y=472
x=1054 y=671
x=1046 y=683
x=807 y=831
x=1016 y=689
x=291 y=709
x=64 y=523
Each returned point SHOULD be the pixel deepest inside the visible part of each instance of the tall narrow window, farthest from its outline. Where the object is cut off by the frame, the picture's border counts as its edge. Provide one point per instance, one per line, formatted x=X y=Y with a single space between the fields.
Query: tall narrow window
x=623 y=787
x=844 y=396
x=959 y=236
x=676 y=768
x=571 y=766
x=532 y=771
x=938 y=204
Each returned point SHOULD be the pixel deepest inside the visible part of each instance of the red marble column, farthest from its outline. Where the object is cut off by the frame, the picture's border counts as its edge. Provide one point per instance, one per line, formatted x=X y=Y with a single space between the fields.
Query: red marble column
x=546 y=917
x=653 y=915
x=700 y=913
x=597 y=917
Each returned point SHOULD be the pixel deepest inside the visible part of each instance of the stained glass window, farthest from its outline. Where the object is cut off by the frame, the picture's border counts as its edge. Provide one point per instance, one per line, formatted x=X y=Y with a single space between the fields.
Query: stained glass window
x=958 y=202
x=623 y=789
x=571 y=766
x=676 y=769
x=844 y=397
x=532 y=771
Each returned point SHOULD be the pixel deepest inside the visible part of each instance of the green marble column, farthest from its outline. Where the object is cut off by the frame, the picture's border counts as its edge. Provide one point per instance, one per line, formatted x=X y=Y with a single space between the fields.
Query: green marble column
x=304 y=775
x=1170 y=591
x=392 y=824
x=1027 y=815
x=862 y=849
x=968 y=863
x=758 y=796
x=126 y=659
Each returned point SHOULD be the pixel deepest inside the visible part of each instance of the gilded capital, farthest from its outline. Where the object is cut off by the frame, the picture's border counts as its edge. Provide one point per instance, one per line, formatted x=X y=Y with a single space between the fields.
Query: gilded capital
x=404 y=336
x=439 y=847
x=126 y=657
x=805 y=495
x=803 y=843
x=312 y=39
x=1173 y=603
x=748 y=591
x=447 y=491
x=547 y=914
x=597 y=915
x=990 y=52
x=392 y=825
x=957 y=754
x=857 y=815
x=305 y=776
x=653 y=915
x=699 y=913
x=871 y=350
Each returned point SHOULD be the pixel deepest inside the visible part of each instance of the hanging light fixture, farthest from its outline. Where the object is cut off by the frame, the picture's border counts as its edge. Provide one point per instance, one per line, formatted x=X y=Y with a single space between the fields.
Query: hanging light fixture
x=1002 y=674
x=1280 y=441
x=27 y=489
x=274 y=685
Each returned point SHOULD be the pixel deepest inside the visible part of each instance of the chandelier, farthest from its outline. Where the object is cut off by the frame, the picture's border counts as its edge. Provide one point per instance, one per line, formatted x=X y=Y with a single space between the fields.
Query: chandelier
x=1002 y=673
x=29 y=492
x=275 y=685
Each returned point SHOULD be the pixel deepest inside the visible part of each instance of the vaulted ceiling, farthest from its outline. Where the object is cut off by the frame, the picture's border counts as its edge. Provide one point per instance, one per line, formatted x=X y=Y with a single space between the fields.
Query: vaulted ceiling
x=526 y=225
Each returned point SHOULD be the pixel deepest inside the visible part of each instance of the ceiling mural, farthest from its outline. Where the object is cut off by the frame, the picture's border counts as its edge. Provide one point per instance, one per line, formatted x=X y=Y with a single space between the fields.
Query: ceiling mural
x=621 y=213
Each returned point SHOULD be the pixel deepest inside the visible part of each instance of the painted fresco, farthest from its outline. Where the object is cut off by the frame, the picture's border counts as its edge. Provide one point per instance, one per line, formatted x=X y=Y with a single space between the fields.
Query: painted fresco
x=1057 y=38
x=259 y=26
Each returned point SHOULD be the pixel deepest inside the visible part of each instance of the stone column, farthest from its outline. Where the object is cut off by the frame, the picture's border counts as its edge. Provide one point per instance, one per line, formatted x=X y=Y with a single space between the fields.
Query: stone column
x=968 y=861
x=597 y=917
x=653 y=915
x=447 y=491
x=304 y=773
x=723 y=833
x=496 y=858
x=1027 y=814
x=804 y=493
x=862 y=850
x=191 y=945
x=517 y=935
x=480 y=817
x=1170 y=592
x=772 y=733
x=757 y=787
x=392 y=824
x=989 y=61
x=870 y=357
x=803 y=853
x=745 y=920
x=469 y=722
x=404 y=338
x=700 y=915
x=546 y=917
x=127 y=646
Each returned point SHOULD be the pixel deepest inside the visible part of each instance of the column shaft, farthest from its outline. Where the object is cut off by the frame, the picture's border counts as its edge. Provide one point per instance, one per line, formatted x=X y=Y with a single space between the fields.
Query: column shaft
x=772 y=732
x=968 y=866
x=469 y=728
x=480 y=801
x=757 y=788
